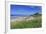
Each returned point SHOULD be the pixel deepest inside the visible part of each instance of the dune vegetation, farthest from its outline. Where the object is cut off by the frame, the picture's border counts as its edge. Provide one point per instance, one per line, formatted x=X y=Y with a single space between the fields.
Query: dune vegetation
x=35 y=23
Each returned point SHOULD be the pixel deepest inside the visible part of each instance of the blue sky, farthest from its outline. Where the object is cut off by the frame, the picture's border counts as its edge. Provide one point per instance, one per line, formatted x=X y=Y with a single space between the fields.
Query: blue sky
x=24 y=9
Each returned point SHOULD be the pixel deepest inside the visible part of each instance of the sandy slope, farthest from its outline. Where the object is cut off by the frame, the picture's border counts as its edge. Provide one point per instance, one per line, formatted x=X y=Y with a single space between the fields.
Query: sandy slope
x=22 y=18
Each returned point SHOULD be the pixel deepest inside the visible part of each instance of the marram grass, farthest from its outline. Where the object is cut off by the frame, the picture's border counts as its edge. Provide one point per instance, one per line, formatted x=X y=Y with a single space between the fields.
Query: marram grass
x=35 y=23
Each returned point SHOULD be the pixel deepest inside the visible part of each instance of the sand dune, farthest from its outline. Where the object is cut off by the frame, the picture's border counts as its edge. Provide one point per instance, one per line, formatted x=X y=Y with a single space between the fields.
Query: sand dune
x=19 y=18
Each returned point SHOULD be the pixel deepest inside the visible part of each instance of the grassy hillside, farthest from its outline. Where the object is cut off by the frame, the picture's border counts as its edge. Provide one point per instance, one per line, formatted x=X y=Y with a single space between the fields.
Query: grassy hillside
x=35 y=23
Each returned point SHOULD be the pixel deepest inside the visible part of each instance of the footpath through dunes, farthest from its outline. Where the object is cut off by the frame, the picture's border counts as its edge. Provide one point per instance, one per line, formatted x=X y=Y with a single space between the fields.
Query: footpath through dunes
x=19 y=18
